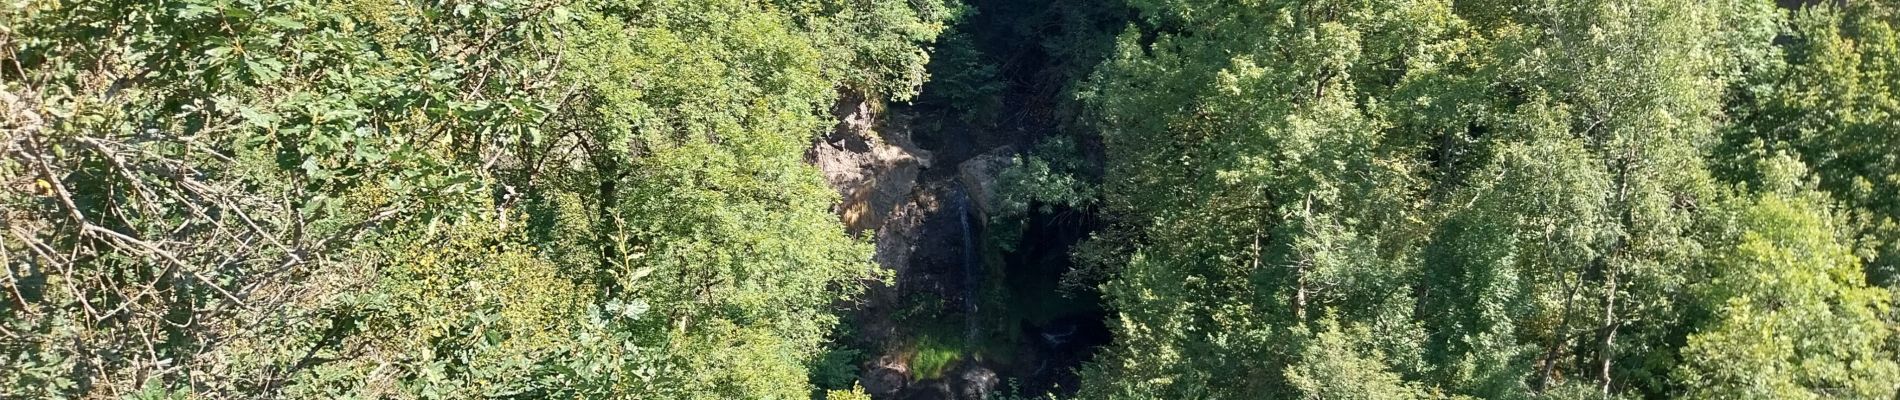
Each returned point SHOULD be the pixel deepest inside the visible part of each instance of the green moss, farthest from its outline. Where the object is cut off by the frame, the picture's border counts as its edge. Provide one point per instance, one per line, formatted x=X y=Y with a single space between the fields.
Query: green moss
x=933 y=355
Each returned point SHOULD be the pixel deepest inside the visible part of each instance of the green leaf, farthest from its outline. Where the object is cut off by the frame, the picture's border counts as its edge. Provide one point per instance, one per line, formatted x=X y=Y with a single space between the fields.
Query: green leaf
x=285 y=23
x=218 y=53
x=195 y=11
x=263 y=71
x=313 y=204
x=257 y=118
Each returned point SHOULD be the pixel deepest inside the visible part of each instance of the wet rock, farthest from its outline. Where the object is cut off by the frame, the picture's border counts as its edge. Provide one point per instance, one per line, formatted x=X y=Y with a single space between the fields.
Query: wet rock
x=929 y=390
x=885 y=377
x=975 y=382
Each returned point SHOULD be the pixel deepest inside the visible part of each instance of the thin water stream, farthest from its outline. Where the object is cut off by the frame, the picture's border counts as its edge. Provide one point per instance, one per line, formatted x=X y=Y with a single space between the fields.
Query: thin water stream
x=972 y=268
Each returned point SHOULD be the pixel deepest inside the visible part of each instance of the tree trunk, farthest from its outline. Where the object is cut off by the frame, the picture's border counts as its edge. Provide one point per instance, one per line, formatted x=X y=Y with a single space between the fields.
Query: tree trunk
x=1558 y=337
x=1608 y=351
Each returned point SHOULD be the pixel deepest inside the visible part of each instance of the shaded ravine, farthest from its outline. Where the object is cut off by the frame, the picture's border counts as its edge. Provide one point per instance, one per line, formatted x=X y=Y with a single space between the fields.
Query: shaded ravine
x=996 y=316
x=961 y=316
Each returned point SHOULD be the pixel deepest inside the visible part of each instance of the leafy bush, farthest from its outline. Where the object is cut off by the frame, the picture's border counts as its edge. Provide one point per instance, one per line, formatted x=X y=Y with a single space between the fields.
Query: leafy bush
x=837 y=368
x=448 y=199
x=1047 y=178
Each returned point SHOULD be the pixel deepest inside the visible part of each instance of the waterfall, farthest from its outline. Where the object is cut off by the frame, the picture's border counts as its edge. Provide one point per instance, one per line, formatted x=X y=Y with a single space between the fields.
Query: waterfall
x=972 y=266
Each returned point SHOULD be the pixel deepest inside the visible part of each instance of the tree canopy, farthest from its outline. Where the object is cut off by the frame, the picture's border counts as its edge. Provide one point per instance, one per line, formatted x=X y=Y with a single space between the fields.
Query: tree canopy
x=1418 y=198
x=385 y=199
x=1313 y=199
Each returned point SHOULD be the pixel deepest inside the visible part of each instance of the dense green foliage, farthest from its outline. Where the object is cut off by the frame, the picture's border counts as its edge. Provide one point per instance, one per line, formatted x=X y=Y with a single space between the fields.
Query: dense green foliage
x=382 y=199
x=1429 y=198
x=1791 y=315
x=1316 y=199
x=1833 y=101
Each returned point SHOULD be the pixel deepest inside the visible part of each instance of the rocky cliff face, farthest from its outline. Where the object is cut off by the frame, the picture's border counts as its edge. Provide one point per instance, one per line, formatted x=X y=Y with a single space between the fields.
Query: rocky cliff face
x=875 y=168
x=921 y=236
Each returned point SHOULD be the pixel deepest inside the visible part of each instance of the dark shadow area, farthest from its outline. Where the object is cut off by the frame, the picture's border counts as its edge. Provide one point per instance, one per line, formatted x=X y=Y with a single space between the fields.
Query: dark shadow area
x=1059 y=329
x=1006 y=76
x=962 y=318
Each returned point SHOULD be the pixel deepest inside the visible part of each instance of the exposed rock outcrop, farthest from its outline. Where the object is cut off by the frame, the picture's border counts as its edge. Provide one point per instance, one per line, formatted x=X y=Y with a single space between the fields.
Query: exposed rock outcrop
x=870 y=160
x=874 y=169
x=978 y=177
x=885 y=377
x=976 y=382
x=921 y=236
x=872 y=163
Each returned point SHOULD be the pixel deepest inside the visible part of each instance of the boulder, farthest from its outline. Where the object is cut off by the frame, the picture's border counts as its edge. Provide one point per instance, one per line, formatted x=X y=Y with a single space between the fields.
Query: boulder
x=885 y=377
x=978 y=178
x=975 y=382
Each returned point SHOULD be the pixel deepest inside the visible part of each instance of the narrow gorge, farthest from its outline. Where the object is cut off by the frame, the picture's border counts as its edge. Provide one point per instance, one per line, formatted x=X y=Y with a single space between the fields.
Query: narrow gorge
x=972 y=309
